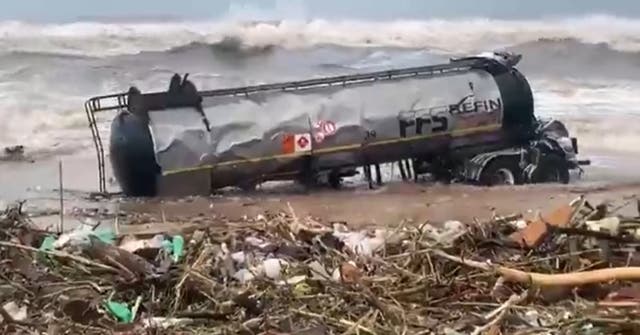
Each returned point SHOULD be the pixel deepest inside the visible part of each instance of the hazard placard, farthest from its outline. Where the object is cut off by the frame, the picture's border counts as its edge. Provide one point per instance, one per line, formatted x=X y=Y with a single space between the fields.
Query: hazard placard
x=323 y=129
x=319 y=137
x=295 y=143
x=328 y=128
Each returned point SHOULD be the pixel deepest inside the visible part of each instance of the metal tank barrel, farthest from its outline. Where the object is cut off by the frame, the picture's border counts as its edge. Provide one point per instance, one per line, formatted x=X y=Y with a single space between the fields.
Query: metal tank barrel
x=185 y=141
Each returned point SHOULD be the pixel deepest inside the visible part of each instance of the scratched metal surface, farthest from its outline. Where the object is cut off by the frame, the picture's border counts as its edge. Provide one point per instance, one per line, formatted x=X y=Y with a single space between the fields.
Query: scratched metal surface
x=254 y=126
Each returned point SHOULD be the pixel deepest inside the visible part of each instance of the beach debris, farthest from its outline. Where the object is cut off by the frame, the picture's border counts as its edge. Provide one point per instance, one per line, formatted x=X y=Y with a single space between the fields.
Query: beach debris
x=80 y=236
x=132 y=244
x=177 y=247
x=363 y=242
x=165 y=323
x=446 y=233
x=318 y=271
x=244 y=275
x=130 y=265
x=291 y=275
x=610 y=225
x=349 y=273
x=537 y=230
x=120 y=311
x=273 y=267
x=48 y=243
x=623 y=297
x=14 y=311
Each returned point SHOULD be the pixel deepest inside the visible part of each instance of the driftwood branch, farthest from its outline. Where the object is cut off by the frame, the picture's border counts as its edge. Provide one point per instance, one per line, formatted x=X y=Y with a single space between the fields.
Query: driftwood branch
x=498 y=314
x=59 y=254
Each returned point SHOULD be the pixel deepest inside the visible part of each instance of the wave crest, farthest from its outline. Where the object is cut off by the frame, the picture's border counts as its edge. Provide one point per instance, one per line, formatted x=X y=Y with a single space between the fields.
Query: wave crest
x=562 y=57
x=228 y=45
x=454 y=36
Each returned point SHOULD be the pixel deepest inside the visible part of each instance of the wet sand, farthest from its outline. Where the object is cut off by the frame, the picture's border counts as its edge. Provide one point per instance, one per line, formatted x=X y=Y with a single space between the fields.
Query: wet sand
x=395 y=203
x=612 y=178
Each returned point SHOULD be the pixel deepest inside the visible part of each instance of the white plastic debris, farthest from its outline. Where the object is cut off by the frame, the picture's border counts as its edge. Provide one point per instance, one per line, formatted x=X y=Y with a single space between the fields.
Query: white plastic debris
x=80 y=235
x=609 y=225
x=133 y=245
x=446 y=234
x=239 y=257
x=295 y=280
x=243 y=276
x=521 y=224
x=16 y=312
x=163 y=323
x=532 y=318
x=335 y=276
x=340 y=227
x=362 y=244
x=256 y=242
x=272 y=267
x=357 y=242
x=454 y=228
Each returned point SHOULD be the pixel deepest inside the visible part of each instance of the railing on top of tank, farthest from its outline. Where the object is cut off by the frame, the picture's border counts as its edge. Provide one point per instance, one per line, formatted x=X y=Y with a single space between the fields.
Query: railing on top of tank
x=345 y=80
x=101 y=104
x=120 y=100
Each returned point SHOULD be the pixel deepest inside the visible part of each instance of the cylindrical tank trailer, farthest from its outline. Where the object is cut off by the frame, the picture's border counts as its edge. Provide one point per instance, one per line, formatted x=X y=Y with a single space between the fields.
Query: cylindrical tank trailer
x=471 y=119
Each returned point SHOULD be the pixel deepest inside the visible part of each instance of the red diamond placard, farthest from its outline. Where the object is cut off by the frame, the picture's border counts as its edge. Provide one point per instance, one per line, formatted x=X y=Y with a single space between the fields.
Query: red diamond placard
x=303 y=142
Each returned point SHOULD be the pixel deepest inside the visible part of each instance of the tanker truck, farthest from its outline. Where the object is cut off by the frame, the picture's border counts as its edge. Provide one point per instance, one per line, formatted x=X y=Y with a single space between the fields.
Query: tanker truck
x=469 y=120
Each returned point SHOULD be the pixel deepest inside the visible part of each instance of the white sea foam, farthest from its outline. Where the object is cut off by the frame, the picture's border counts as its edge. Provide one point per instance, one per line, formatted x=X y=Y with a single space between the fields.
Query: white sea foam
x=603 y=114
x=41 y=100
x=456 y=35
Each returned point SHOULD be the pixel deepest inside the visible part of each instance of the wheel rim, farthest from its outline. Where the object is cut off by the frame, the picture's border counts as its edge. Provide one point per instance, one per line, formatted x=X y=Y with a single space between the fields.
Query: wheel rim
x=504 y=177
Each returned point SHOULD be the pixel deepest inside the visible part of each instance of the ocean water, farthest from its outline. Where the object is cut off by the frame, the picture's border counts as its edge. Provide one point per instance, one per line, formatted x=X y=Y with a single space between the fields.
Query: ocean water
x=584 y=70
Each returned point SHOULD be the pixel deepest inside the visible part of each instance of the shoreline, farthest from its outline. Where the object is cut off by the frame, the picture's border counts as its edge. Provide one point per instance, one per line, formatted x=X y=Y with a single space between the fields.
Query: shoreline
x=611 y=178
x=358 y=208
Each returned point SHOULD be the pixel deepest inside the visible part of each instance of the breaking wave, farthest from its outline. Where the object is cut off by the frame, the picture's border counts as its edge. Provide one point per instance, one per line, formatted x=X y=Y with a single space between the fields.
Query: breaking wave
x=602 y=114
x=228 y=45
x=452 y=36
x=581 y=69
x=571 y=57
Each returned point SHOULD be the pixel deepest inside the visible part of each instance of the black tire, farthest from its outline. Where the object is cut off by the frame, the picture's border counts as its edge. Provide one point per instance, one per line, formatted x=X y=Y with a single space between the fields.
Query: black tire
x=551 y=169
x=248 y=186
x=335 y=180
x=501 y=171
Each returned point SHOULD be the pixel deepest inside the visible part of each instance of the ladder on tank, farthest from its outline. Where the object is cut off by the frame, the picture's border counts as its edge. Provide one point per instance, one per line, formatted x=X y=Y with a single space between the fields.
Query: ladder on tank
x=119 y=101
x=91 y=107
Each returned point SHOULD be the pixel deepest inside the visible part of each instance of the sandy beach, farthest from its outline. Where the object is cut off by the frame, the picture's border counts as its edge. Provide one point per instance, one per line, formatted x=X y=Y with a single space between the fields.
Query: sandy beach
x=611 y=179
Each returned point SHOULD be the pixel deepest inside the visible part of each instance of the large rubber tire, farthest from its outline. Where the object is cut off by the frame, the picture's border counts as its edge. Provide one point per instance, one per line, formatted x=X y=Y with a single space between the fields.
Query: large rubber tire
x=501 y=171
x=248 y=186
x=335 y=180
x=551 y=169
